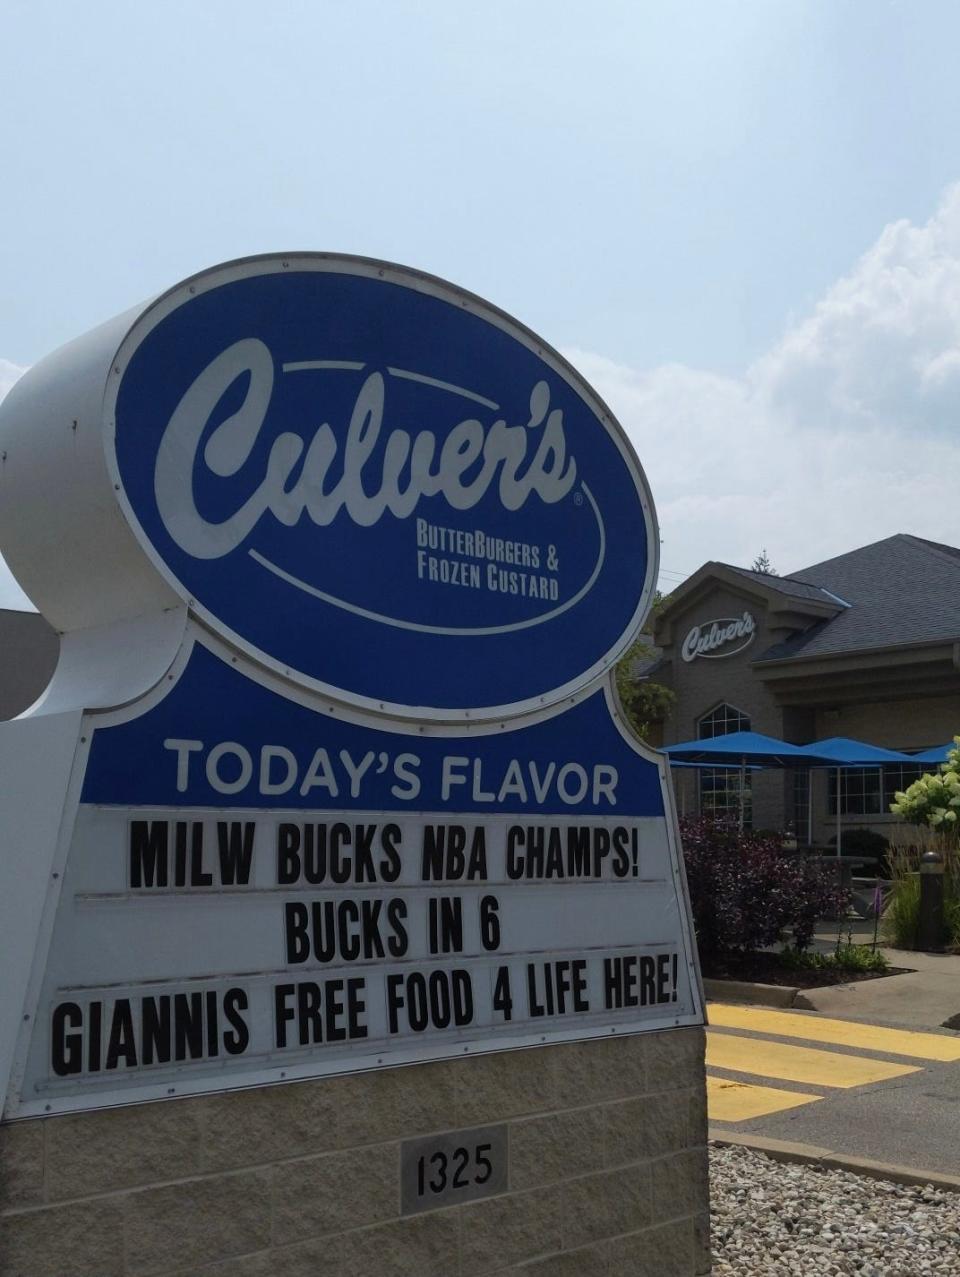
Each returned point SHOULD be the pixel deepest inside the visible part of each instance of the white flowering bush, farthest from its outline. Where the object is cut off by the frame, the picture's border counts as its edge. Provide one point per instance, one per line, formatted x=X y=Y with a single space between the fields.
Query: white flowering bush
x=934 y=800
x=932 y=805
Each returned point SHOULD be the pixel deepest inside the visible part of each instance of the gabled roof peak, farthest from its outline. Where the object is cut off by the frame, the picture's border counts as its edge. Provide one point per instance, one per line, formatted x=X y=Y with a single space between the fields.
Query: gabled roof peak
x=786 y=585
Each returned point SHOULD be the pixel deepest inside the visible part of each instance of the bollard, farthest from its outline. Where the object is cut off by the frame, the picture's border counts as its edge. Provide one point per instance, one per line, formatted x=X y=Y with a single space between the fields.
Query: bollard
x=930 y=924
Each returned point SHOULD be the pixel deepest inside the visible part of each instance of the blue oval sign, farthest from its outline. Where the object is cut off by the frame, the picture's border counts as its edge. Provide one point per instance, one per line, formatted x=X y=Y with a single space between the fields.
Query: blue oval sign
x=381 y=486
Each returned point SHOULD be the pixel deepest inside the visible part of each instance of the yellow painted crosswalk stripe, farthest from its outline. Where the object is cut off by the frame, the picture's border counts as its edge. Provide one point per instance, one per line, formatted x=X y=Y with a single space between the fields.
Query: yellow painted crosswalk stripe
x=865 y=1037
x=797 y=1063
x=737 y=1101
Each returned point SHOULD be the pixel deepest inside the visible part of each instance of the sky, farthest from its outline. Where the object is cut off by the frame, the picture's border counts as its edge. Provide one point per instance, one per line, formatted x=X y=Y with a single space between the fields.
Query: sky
x=740 y=219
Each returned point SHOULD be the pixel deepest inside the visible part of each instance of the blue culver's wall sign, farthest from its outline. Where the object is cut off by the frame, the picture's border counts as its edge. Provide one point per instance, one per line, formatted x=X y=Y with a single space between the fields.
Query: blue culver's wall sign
x=381 y=487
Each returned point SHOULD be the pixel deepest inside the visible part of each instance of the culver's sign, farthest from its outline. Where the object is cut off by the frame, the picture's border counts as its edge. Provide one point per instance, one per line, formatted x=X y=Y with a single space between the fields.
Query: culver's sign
x=380 y=486
x=723 y=637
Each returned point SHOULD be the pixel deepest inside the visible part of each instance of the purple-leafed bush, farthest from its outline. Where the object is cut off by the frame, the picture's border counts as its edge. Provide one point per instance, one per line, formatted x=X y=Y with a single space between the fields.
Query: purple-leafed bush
x=746 y=893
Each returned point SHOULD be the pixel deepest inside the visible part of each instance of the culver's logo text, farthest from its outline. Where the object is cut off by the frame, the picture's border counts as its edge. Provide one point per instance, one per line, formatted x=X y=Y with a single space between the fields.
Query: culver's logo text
x=706 y=639
x=342 y=478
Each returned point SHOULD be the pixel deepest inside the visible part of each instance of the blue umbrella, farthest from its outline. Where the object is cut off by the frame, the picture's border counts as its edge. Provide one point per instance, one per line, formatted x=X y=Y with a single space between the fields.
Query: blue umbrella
x=844 y=752
x=936 y=755
x=743 y=750
x=841 y=751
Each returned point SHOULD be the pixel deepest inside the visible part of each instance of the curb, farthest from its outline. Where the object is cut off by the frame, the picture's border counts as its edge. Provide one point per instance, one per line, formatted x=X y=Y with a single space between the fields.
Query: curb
x=762 y=995
x=748 y=993
x=826 y=1159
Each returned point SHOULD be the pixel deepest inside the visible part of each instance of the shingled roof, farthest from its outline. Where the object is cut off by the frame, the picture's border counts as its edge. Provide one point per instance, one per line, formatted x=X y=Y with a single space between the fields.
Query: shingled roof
x=901 y=590
x=788 y=585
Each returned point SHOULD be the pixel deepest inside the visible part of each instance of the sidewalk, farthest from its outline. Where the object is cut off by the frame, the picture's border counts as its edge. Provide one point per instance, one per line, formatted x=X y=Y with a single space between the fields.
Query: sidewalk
x=925 y=997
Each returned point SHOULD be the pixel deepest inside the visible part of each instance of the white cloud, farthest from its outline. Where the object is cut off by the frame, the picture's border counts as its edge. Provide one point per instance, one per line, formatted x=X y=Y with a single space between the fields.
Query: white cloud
x=11 y=596
x=846 y=431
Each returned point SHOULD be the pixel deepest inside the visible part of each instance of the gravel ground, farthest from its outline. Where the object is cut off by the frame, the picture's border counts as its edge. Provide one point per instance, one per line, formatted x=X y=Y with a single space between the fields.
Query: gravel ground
x=774 y=1219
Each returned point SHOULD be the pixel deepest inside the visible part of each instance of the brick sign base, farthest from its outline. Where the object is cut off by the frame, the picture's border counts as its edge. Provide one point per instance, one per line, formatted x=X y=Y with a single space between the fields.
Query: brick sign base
x=607 y=1173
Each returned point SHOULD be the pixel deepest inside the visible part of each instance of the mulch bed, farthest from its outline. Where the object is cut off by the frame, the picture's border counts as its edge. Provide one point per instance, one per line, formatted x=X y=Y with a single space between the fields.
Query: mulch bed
x=766 y=968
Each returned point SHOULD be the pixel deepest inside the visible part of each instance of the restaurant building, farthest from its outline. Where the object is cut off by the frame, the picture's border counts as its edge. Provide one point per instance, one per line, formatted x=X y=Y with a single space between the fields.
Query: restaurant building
x=865 y=645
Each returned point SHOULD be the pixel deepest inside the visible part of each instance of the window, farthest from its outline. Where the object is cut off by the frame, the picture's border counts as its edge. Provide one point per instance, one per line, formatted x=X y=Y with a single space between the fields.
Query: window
x=721 y=721
x=869 y=791
x=860 y=791
x=801 y=803
x=720 y=796
x=897 y=777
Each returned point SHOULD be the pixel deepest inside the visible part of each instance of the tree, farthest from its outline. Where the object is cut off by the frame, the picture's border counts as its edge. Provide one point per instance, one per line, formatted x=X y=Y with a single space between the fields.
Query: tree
x=644 y=702
x=762 y=563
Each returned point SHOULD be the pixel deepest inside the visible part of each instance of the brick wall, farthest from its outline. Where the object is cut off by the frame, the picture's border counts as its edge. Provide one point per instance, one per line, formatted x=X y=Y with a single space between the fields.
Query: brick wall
x=903 y=724
x=704 y=683
x=607 y=1174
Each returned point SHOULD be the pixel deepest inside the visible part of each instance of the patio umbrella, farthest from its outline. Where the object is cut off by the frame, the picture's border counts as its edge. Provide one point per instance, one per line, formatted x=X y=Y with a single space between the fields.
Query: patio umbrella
x=841 y=752
x=936 y=755
x=743 y=750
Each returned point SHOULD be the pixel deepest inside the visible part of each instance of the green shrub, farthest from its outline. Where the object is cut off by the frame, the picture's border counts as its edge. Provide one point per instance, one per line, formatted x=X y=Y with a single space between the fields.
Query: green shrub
x=861 y=842
x=855 y=958
x=951 y=919
x=745 y=893
x=865 y=842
